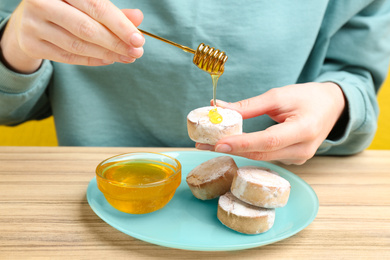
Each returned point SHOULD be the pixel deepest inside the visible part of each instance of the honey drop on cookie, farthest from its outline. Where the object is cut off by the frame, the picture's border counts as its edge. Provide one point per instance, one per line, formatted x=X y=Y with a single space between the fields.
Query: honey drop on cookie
x=214 y=116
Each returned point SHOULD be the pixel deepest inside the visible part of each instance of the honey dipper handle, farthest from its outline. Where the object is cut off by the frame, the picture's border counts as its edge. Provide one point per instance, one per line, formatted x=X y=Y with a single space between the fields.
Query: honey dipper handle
x=184 y=48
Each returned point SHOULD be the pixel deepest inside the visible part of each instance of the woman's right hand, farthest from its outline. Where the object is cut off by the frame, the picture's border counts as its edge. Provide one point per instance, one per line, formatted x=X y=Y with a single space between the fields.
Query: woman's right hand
x=88 y=32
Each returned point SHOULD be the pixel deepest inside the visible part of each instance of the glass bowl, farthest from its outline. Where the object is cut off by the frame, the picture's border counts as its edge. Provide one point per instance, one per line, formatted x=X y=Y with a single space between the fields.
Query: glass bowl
x=140 y=182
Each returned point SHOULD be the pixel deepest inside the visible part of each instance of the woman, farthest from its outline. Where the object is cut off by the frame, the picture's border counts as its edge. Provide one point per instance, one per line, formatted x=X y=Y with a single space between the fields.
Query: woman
x=303 y=74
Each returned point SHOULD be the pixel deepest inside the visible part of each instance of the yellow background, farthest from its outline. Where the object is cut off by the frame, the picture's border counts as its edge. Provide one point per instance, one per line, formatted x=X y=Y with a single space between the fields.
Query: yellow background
x=42 y=133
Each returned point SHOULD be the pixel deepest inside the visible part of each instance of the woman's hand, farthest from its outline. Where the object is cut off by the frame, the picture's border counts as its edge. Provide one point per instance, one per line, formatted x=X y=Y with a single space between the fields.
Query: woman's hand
x=306 y=114
x=87 y=32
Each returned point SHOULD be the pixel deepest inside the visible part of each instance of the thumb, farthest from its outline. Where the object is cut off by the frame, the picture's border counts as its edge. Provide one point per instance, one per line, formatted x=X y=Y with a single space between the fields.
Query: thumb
x=252 y=107
x=134 y=15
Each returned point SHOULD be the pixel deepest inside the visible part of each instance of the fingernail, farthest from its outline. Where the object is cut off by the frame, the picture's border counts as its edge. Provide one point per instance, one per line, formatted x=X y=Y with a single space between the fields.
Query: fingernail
x=223 y=148
x=137 y=40
x=108 y=62
x=136 y=52
x=221 y=103
x=126 y=59
x=204 y=147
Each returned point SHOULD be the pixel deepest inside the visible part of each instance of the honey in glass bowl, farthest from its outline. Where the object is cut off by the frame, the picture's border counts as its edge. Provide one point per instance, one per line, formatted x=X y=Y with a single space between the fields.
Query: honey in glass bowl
x=139 y=183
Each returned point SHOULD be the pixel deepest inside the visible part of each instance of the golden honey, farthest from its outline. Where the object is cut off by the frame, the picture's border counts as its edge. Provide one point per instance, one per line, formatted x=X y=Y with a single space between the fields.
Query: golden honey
x=137 y=173
x=214 y=116
x=138 y=186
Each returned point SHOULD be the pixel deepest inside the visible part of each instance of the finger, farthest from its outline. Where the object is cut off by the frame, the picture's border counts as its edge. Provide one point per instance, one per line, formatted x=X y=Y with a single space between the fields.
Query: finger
x=294 y=154
x=49 y=51
x=70 y=43
x=111 y=17
x=273 y=138
x=85 y=28
x=134 y=15
x=206 y=147
x=255 y=106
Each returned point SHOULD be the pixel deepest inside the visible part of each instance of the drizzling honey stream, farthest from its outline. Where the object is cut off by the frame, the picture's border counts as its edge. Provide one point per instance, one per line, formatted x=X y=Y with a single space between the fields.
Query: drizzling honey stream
x=208 y=59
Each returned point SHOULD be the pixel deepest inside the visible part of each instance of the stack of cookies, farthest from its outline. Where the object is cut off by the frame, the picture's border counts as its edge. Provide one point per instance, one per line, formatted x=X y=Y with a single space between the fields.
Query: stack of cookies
x=247 y=195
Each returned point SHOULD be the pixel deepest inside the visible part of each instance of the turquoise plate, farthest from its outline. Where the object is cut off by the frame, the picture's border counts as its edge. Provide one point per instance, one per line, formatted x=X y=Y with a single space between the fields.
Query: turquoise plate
x=191 y=224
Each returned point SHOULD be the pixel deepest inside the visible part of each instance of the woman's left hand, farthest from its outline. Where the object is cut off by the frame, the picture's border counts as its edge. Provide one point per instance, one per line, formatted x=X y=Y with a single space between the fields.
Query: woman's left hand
x=305 y=113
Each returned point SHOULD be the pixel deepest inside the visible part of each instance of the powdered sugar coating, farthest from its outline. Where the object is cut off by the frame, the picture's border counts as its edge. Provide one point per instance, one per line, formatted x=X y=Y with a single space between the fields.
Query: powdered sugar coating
x=261 y=175
x=201 y=116
x=231 y=204
x=211 y=170
x=260 y=187
x=239 y=187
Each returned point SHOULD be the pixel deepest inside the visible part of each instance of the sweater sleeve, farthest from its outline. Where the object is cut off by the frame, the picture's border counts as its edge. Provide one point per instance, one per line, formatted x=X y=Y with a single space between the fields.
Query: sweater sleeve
x=357 y=60
x=23 y=96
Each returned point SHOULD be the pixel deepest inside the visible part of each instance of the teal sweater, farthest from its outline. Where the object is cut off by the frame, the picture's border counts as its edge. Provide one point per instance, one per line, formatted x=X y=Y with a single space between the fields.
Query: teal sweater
x=269 y=43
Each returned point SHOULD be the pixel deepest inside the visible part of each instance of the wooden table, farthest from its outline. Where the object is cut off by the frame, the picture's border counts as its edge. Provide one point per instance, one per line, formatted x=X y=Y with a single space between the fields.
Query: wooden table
x=44 y=211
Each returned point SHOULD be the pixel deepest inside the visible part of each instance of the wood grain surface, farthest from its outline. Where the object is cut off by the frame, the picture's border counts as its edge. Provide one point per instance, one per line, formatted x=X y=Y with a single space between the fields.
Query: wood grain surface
x=44 y=212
